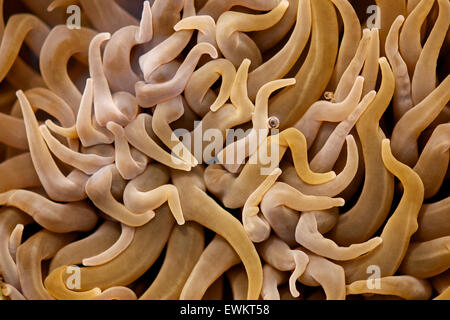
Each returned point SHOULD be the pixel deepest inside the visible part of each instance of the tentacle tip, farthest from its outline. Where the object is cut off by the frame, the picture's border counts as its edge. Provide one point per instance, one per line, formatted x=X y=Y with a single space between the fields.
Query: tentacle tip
x=180 y=26
x=96 y=291
x=293 y=288
x=140 y=84
x=257 y=233
x=112 y=126
x=150 y=214
x=382 y=60
x=246 y=62
x=340 y=202
x=104 y=36
x=290 y=81
x=89 y=82
x=276 y=172
x=284 y=4
x=257 y=238
x=214 y=107
x=43 y=128
x=5 y=291
x=213 y=54
x=378 y=241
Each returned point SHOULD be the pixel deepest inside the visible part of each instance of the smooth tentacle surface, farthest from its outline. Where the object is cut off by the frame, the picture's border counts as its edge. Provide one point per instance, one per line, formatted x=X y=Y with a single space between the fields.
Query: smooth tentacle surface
x=150 y=94
x=204 y=210
x=219 y=254
x=169 y=49
x=433 y=220
x=402 y=96
x=279 y=65
x=416 y=120
x=278 y=255
x=57 y=186
x=379 y=182
x=316 y=71
x=424 y=79
x=184 y=250
x=399 y=228
x=60 y=45
x=116 y=58
x=234 y=44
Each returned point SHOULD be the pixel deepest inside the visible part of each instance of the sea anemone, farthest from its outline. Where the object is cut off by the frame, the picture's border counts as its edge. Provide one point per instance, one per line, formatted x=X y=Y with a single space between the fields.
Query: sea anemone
x=159 y=149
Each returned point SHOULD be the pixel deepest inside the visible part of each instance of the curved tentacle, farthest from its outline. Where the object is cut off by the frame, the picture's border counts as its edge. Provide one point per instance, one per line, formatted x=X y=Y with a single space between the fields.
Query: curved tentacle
x=184 y=250
x=218 y=253
x=402 y=96
x=434 y=160
x=424 y=78
x=126 y=237
x=60 y=45
x=308 y=235
x=416 y=120
x=57 y=186
x=379 y=183
x=198 y=93
x=280 y=64
x=41 y=246
x=168 y=49
x=107 y=16
x=149 y=240
x=98 y=241
x=207 y=212
x=116 y=58
x=9 y=219
x=406 y=287
x=399 y=228
x=291 y=103
x=149 y=95
x=56 y=217
x=237 y=46
x=138 y=135
x=98 y=188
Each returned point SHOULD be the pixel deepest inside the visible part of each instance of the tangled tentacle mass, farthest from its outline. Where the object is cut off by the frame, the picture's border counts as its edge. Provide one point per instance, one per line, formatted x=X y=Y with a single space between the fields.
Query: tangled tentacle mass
x=224 y=149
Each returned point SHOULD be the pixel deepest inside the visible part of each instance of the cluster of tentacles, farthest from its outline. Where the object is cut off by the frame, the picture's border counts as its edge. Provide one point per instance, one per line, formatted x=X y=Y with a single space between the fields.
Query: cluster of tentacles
x=101 y=198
